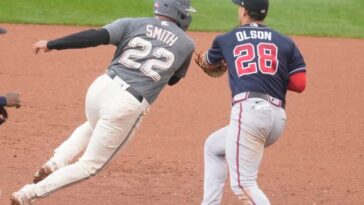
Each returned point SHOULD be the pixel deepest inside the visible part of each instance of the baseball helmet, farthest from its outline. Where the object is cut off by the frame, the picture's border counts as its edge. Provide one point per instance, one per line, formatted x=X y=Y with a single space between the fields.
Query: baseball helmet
x=178 y=10
x=257 y=9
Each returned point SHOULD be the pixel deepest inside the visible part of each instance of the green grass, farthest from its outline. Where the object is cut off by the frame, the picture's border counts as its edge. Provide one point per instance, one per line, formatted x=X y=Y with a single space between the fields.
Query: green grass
x=343 y=18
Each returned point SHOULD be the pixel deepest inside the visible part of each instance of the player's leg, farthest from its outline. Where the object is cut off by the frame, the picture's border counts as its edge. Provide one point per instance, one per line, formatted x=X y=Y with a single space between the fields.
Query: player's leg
x=106 y=141
x=279 y=123
x=119 y=115
x=79 y=139
x=215 y=167
x=108 y=137
x=66 y=152
x=251 y=124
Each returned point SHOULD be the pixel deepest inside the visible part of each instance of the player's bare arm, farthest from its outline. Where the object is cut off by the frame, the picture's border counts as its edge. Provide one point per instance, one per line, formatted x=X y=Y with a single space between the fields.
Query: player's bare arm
x=13 y=100
x=10 y=100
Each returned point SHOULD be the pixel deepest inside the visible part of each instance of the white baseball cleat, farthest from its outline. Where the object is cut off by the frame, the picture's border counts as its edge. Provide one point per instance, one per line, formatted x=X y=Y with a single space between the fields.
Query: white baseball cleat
x=19 y=198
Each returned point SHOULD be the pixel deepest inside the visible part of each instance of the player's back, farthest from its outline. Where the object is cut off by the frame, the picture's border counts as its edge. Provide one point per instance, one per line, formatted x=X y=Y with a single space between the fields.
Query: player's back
x=149 y=51
x=260 y=59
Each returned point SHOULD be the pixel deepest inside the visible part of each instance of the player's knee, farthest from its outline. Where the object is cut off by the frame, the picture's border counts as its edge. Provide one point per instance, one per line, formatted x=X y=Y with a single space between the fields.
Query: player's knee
x=89 y=168
x=244 y=183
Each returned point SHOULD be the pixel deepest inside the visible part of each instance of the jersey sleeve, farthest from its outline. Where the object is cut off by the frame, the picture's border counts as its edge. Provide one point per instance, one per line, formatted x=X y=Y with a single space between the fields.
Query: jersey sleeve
x=2 y=101
x=296 y=62
x=181 y=72
x=117 y=29
x=214 y=54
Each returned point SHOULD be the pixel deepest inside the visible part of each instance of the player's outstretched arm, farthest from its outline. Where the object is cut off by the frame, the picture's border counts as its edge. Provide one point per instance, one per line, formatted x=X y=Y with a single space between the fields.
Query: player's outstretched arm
x=83 y=39
x=10 y=100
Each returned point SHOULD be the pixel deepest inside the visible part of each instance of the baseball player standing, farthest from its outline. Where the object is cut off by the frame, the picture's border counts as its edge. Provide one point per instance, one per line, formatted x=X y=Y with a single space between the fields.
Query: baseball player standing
x=150 y=53
x=262 y=65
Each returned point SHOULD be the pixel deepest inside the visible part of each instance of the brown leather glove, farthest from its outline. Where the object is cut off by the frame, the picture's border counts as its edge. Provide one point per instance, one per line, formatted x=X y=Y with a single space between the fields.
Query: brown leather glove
x=212 y=70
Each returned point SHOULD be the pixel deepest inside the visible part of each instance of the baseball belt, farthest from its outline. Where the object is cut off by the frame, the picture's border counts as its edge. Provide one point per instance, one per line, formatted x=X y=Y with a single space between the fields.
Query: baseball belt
x=245 y=95
x=112 y=74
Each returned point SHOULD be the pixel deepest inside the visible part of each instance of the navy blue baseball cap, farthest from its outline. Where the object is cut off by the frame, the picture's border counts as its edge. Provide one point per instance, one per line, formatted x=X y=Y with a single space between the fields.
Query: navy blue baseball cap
x=257 y=8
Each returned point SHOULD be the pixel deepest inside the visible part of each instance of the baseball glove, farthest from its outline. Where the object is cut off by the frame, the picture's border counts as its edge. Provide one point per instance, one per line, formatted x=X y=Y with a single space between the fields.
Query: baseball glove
x=3 y=115
x=212 y=70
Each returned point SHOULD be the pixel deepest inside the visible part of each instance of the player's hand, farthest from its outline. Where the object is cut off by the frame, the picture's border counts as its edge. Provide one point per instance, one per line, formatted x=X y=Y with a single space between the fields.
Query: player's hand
x=12 y=100
x=212 y=70
x=40 y=45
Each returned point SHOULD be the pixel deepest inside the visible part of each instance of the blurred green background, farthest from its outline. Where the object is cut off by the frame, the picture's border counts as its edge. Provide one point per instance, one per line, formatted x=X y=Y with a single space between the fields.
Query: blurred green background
x=344 y=18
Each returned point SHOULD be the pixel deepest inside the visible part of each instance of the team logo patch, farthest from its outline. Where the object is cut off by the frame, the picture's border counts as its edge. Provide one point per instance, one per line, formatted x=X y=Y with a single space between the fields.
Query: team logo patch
x=275 y=101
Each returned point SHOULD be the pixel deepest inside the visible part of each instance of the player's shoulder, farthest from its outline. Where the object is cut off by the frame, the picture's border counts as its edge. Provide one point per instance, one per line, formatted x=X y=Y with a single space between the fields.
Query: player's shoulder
x=281 y=36
x=186 y=40
x=135 y=20
x=138 y=20
x=190 y=42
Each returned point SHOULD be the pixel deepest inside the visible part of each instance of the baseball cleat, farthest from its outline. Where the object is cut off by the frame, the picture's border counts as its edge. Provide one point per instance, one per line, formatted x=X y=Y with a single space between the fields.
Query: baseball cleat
x=19 y=198
x=42 y=173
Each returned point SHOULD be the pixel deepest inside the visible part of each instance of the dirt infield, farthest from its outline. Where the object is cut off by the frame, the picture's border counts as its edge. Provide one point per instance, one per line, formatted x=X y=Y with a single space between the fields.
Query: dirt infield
x=319 y=160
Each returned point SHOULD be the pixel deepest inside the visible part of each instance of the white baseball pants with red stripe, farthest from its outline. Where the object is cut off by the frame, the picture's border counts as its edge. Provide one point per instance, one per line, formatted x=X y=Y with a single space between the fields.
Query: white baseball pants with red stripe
x=254 y=124
x=112 y=116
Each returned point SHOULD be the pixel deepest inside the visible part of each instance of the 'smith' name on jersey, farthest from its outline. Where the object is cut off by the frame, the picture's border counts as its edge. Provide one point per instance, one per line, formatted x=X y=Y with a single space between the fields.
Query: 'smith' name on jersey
x=253 y=34
x=161 y=34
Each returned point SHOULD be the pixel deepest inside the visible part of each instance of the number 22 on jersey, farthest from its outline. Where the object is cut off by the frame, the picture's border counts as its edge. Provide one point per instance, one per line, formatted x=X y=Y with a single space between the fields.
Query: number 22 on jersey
x=267 y=62
x=141 y=48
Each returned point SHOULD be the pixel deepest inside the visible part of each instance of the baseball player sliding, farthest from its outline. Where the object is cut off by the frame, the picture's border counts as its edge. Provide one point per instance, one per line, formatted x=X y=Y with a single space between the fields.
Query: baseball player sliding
x=262 y=65
x=150 y=53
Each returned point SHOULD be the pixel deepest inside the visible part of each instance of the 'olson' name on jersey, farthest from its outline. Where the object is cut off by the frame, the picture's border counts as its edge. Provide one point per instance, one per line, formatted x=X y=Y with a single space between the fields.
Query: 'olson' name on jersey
x=253 y=34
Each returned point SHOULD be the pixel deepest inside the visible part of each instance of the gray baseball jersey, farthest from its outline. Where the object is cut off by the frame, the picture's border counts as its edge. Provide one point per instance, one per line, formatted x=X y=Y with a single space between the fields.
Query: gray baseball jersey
x=149 y=52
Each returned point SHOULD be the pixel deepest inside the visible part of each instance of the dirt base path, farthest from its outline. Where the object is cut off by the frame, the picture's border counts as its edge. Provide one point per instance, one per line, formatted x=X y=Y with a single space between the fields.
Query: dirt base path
x=319 y=160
